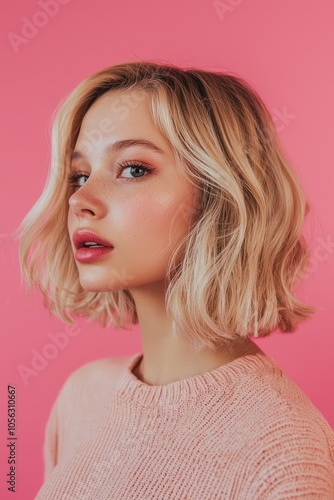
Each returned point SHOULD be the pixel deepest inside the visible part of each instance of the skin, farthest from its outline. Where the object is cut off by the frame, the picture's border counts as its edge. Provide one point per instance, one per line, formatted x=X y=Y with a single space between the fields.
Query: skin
x=142 y=219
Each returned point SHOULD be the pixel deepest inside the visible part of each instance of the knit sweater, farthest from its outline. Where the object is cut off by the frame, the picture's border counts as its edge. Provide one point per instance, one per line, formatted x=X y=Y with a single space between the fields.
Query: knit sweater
x=242 y=431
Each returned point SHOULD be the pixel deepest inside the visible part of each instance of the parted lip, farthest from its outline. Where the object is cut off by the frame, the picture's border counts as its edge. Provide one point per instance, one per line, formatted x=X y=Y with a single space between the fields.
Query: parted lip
x=82 y=236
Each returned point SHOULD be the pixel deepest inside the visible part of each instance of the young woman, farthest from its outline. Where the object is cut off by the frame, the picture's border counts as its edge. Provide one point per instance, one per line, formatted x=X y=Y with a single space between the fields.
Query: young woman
x=170 y=204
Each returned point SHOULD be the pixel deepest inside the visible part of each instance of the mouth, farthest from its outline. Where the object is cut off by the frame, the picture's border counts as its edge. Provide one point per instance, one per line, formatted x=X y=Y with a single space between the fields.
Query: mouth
x=87 y=239
x=89 y=246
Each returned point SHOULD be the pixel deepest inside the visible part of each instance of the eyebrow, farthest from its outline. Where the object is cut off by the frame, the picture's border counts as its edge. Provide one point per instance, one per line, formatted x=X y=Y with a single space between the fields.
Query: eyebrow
x=121 y=146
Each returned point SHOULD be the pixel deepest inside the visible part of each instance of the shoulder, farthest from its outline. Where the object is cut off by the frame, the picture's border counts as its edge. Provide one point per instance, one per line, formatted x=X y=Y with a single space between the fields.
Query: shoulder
x=285 y=397
x=98 y=368
x=268 y=391
x=89 y=381
x=79 y=405
x=288 y=438
x=263 y=406
x=288 y=433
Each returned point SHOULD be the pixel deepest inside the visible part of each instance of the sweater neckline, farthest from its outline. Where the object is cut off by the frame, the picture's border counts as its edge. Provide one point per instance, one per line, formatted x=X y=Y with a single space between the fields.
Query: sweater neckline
x=221 y=379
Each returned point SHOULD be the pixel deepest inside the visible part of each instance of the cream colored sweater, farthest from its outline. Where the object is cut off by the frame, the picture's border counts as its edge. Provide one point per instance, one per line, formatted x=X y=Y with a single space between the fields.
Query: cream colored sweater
x=241 y=431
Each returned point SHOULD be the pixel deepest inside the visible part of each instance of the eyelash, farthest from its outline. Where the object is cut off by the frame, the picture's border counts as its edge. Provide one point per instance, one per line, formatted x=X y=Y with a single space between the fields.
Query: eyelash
x=73 y=177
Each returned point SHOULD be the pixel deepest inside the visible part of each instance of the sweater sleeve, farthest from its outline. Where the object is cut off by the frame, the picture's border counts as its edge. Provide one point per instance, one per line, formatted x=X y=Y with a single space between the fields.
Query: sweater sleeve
x=50 y=442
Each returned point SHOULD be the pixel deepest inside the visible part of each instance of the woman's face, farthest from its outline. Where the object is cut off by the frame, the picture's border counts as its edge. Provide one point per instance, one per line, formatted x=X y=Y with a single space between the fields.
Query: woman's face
x=142 y=211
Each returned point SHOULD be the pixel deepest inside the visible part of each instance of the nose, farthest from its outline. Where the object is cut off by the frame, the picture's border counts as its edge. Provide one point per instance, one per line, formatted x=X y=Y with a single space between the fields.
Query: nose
x=85 y=202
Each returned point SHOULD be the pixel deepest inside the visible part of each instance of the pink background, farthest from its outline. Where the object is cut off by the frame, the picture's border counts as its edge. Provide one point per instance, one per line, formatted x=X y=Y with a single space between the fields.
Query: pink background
x=283 y=47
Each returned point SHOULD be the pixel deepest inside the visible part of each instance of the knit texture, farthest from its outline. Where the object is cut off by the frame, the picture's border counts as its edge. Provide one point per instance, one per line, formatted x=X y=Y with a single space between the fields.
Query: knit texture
x=242 y=431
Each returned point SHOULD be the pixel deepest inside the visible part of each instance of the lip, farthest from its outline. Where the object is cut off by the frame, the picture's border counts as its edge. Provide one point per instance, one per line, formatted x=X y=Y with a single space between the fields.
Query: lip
x=89 y=254
x=80 y=237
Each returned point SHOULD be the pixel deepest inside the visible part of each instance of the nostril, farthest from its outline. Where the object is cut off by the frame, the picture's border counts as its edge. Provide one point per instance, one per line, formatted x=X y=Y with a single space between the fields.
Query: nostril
x=87 y=211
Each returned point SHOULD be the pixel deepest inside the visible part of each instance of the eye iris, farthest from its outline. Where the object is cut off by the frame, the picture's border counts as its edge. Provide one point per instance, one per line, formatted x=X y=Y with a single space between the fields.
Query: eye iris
x=80 y=179
x=135 y=167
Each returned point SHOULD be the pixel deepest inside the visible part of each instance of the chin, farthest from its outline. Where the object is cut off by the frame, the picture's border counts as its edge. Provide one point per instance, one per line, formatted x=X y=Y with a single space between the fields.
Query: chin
x=99 y=286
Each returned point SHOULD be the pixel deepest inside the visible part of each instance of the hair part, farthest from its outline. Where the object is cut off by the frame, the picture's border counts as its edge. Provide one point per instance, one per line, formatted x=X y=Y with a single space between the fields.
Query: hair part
x=234 y=274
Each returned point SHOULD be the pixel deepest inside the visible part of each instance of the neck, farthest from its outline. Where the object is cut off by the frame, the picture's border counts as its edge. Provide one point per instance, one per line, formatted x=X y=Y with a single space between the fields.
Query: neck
x=150 y=373
x=165 y=359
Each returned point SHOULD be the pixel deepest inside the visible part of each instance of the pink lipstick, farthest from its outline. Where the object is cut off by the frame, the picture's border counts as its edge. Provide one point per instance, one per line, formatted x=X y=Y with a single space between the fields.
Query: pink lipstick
x=89 y=246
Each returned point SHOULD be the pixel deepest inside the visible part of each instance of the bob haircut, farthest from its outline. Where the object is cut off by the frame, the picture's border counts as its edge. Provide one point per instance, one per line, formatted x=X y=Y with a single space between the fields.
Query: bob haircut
x=234 y=273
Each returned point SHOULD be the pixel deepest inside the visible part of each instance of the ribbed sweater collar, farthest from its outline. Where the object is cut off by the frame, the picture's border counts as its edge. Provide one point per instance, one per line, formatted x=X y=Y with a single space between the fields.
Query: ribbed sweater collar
x=221 y=380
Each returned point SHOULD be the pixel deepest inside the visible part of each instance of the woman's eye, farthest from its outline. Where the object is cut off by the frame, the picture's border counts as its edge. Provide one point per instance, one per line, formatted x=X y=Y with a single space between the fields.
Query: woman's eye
x=77 y=180
x=135 y=170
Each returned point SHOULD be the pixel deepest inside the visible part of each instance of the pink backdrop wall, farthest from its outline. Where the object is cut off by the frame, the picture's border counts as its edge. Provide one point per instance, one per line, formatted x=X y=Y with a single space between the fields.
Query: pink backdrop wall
x=283 y=47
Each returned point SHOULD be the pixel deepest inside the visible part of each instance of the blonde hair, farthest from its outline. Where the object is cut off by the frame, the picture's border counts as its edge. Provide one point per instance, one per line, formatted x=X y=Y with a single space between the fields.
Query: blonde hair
x=241 y=259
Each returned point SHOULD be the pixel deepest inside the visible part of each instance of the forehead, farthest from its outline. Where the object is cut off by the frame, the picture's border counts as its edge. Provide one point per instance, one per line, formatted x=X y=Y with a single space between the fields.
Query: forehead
x=119 y=106
x=121 y=116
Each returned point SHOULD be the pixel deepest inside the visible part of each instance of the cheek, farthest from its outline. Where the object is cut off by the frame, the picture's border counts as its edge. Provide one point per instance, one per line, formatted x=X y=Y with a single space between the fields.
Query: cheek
x=158 y=223
x=70 y=221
